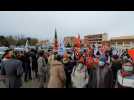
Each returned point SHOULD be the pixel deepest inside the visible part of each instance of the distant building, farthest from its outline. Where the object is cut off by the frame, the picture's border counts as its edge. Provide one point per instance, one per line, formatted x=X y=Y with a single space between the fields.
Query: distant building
x=96 y=38
x=83 y=43
x=69 y=40
x=43 y=42
x=125 y=42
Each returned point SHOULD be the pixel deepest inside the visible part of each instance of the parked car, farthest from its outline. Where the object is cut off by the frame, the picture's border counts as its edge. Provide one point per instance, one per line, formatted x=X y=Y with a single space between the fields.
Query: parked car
x=19 y=50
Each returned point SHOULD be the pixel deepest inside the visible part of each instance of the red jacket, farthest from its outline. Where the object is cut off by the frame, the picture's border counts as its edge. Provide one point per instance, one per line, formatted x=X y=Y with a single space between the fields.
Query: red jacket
x=89 y=62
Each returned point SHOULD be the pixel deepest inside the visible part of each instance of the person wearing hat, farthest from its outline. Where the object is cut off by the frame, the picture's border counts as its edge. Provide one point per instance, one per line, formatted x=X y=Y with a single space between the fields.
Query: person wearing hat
x=12 y=70
x=33 y=63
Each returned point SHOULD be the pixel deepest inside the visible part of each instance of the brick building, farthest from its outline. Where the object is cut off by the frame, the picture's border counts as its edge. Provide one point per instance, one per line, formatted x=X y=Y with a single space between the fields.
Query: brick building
x=122 y=42
x=96 y=38
x=69 y=40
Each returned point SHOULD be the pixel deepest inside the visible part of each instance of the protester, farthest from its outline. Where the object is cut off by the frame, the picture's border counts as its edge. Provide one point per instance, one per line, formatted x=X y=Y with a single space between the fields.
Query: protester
x=80 y=77
x=27 y=68
x=42 y=69
x=12 y=70
x=66 y=62
x=68 y=67
x=90 y=64
x=116 y=65
x=104 y=75
x=33 y=62
x=93 y=67
x=57 y=74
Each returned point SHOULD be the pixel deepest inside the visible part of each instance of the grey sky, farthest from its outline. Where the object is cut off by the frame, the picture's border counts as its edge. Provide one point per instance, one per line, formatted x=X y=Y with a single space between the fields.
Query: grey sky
x=41 y=24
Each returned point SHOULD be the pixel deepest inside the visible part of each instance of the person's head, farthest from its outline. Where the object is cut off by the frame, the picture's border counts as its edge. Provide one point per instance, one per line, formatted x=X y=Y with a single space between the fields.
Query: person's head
x=85 y=50
x=115 y=57
x=58 y=58
x=32 y=50
x=107 y=53
x=98 y=54
x=55 y=53
x=41 y=53
x=8 y=54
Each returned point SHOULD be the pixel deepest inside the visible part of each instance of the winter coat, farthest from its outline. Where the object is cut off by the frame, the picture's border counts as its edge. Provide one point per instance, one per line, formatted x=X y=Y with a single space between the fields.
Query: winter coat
x=79 y=76
x=104 y=77
x=13 y=70
x=42 y=68
x=33 y=60
x=57 y=75
x=116 y=65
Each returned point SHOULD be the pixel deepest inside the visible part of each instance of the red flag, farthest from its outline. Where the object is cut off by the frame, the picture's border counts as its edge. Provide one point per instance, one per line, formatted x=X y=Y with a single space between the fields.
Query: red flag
x=77 y=42
x=131 y=53
x=56 y=45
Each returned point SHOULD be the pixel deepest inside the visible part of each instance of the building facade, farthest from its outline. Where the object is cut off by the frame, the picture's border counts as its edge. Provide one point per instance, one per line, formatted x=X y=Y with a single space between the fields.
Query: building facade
x=43 y=42
x=96 y=38
x=69 y=40
x=125 y=42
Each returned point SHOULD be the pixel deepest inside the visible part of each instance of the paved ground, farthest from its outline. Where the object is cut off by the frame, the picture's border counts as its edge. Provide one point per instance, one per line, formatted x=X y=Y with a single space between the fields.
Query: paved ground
x=34 y=83
x=29 y=84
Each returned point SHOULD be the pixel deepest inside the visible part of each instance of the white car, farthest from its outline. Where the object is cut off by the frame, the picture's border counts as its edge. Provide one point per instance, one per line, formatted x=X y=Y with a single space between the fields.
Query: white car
x=19 y=49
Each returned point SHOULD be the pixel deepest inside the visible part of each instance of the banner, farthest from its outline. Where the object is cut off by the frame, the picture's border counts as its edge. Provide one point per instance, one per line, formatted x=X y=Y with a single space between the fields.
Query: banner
x=55 y=48
x=61 y=49
x=27 y=46
x=131 y=53
x=77 y=42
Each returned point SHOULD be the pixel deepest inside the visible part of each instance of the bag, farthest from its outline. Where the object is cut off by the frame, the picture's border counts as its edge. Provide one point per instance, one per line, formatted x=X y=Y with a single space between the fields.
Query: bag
x=79 y=76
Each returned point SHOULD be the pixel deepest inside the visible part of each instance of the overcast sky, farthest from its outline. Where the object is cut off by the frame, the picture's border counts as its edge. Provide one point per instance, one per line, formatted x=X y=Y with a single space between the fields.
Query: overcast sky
x=41 y=24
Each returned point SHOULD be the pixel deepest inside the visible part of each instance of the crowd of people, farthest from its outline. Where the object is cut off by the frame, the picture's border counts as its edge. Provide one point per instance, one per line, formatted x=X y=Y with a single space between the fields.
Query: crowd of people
x=90 y=68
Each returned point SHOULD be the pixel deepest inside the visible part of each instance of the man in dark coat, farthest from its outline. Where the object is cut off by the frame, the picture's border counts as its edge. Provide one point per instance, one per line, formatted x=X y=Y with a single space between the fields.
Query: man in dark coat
x=33 y=62
x=27 y=67
x=69 y=63
x=116 y=65
x=11 y=70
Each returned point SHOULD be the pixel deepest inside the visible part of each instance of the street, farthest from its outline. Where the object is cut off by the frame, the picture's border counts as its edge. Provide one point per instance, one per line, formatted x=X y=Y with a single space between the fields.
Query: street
x=29 y=84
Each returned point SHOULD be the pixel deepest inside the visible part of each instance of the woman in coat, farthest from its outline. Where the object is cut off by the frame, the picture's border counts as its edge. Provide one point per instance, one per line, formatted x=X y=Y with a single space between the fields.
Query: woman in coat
x=57 y=74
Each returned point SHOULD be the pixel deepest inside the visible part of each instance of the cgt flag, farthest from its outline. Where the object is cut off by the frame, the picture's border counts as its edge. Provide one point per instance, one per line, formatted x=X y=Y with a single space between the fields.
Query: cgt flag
x=27 y=46
x=61 y=49
x=131 y=53
x=77 y=42
x=55 y=41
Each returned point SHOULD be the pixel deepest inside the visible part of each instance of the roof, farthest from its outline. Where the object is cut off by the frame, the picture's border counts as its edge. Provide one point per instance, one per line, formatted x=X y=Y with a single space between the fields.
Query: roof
x=122 y=37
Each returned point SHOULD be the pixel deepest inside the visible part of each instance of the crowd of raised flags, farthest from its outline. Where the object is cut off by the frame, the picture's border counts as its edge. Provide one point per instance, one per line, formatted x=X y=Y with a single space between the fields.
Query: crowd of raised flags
x=91 y=67
x=94 y=56
x=86 y=70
